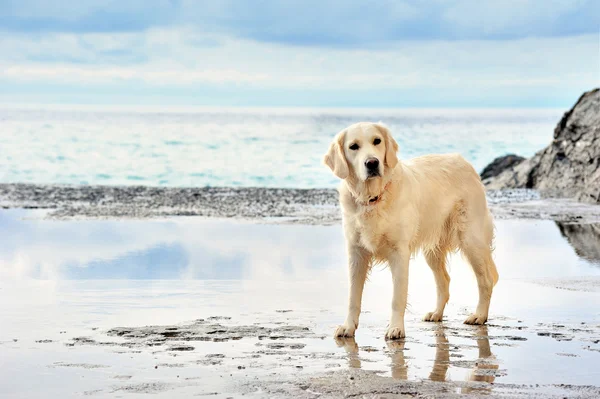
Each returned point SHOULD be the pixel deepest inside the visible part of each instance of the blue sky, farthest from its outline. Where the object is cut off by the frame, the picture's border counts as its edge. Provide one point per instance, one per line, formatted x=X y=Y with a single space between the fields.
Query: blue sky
x=437 y=53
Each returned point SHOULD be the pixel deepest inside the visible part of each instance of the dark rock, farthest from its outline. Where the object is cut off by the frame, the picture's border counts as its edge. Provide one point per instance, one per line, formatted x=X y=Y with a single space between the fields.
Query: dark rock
x=570 y=166
x=501 y=164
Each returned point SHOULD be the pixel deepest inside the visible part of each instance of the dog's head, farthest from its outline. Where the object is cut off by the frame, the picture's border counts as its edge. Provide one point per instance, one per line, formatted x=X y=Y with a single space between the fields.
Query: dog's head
x=362 y=151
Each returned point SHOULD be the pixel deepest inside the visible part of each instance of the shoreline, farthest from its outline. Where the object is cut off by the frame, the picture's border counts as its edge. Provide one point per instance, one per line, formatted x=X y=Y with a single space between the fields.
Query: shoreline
x=273 y=205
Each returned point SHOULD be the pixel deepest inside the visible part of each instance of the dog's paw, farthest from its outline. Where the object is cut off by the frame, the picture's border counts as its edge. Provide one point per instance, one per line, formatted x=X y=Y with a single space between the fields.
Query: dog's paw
x=433 y=316
x=395 y=333
x=344 y=331
x=476 y=319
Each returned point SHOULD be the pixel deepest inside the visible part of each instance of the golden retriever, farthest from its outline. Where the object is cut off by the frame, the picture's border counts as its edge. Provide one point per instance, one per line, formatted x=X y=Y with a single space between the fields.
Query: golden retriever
x=392 y=209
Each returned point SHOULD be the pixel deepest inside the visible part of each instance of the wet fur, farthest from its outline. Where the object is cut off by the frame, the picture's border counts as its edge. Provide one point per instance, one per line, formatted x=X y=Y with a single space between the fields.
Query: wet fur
x=435 y=204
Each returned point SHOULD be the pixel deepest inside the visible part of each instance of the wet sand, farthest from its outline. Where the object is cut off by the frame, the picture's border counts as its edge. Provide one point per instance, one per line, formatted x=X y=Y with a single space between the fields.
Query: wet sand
x=305 y=206
x=188 y=306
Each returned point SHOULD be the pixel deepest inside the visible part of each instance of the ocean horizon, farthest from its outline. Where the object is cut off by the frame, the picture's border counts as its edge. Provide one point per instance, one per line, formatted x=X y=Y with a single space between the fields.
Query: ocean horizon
x=238 y=147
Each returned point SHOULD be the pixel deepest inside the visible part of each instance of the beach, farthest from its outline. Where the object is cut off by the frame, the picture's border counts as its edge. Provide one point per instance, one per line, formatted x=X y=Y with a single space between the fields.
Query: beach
x=222 y=292
x=170 y=214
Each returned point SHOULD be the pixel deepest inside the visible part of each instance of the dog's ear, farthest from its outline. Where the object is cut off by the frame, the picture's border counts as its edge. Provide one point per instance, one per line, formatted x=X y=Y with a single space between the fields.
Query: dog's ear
x=336 y=158
x=391 y=147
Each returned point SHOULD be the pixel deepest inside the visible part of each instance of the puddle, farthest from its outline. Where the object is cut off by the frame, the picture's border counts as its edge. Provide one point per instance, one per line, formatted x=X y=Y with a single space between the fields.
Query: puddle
x=190 y=306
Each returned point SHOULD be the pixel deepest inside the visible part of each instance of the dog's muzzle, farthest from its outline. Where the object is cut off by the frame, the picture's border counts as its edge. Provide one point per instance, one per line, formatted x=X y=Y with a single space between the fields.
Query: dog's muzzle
x=372 y=165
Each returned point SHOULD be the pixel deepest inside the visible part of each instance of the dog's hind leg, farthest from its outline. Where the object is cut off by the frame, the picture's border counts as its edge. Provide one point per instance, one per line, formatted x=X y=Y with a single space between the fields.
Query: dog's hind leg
x=437 y=262
x=476 y=245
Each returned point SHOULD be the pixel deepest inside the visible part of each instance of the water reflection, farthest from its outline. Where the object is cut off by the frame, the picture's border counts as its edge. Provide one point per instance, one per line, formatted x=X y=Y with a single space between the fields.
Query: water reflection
x=188 y=249
x=351 y=347
x=584 y=238
x=175 y=249
x=483 y=370
x=261 y=269
x=486 y=364
x=442 y=356
x=398 y=366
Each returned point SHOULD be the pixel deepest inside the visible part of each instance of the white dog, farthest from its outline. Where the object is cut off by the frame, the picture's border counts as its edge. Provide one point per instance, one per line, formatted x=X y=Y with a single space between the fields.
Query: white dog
x=392 y=209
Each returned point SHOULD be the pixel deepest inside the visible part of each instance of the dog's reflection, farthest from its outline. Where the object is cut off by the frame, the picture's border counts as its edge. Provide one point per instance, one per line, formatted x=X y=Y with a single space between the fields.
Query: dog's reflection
x=442 y=356
x=351 y=348
x=398 y=366
x=483 y=370
x=486 y=365
x=396 y=352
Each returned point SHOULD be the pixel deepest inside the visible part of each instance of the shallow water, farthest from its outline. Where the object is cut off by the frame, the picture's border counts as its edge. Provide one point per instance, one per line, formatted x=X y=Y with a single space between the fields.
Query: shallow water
x=240 y=147
x=62 y=280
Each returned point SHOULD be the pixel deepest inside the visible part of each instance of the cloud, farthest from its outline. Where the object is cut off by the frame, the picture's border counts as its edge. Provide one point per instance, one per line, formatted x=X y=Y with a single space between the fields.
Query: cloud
x=314 y=22
x=389 y=53
x=173 y=57
x=99 y=75
x=522 y=18
x=86 y=16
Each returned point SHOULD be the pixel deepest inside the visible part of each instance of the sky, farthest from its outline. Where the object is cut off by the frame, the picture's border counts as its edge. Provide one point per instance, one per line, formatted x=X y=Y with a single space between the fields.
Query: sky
x=310 y=53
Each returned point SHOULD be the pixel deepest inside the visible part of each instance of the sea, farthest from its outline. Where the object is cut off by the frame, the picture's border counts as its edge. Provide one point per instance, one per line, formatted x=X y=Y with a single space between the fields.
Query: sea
x=238 y=147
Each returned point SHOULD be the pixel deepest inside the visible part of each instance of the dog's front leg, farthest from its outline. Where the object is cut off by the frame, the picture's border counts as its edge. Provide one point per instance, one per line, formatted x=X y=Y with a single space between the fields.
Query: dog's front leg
x=358 y=263
x=398 y=262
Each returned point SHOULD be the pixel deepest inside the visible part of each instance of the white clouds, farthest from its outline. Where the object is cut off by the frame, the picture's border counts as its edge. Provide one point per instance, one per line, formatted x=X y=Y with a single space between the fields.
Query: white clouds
x=76 y=10
x=312 y=22
x=495 y=17
x=236 y=51
x=99 y=75
x=189 y=59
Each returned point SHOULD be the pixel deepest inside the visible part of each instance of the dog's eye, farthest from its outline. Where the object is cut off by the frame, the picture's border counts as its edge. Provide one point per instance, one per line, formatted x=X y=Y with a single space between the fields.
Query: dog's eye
x=354 y=147
x=376 y=141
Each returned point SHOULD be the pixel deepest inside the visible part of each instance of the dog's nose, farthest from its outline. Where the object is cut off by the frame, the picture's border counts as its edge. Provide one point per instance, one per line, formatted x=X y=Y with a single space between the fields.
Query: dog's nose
x=372 y=163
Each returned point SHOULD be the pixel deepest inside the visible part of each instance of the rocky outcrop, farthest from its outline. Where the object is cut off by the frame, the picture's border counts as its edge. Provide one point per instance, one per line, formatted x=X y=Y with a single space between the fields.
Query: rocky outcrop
x=501 y=164
x=570 y=166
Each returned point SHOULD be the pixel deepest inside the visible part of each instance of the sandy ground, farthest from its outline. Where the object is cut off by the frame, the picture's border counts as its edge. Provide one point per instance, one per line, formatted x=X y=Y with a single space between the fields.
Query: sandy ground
x=314 y=206
x=271 y=360
x=120 y=305
x=285 y=353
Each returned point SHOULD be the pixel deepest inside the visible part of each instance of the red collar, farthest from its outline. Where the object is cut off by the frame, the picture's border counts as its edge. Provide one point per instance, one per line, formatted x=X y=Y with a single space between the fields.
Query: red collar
x=375 y=200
